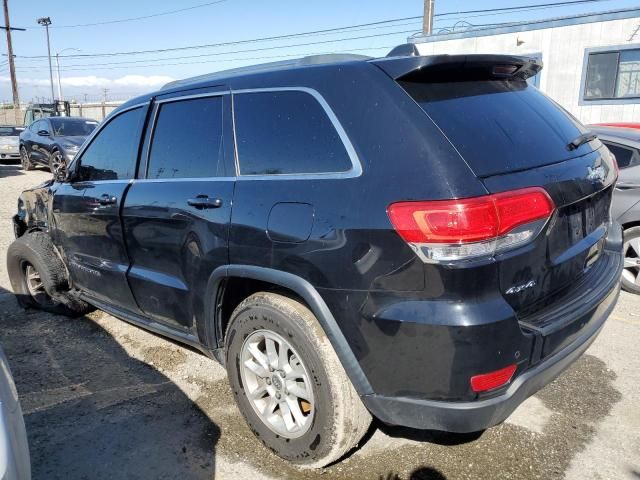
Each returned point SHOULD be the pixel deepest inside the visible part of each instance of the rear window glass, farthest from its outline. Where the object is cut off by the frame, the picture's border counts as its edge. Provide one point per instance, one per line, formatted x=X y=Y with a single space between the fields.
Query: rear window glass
x=498 y=126
x=286 y=132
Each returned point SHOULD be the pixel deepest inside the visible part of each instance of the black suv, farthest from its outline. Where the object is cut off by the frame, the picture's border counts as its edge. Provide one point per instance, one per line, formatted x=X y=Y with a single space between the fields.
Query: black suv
x=424 y=240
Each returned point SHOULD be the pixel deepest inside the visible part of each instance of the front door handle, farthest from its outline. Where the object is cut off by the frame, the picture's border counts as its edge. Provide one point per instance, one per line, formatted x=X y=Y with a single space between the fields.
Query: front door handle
x=203 y=201
x=106 y=199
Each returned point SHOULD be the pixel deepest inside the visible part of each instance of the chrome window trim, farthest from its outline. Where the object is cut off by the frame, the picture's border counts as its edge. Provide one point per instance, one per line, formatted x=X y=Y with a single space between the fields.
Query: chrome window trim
x=356 y=166
x=154 y=120
x=106 y=121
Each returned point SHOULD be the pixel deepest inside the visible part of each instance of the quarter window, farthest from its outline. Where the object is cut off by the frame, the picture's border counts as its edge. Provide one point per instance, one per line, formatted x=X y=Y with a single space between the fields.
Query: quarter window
x=613 y=75
x=626 y=157
x=113 y=152
x=187 y=140
x=286 y=132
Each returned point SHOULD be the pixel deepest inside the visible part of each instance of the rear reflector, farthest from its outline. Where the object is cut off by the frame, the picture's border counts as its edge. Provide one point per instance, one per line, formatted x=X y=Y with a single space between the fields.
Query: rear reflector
x=455 y=229
x=489 y=381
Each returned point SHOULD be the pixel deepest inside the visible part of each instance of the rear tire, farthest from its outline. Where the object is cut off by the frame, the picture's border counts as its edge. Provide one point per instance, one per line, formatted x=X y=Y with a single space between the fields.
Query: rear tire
x=38 y=277
x=631 y=250
x=25 y=160
x=320 y=430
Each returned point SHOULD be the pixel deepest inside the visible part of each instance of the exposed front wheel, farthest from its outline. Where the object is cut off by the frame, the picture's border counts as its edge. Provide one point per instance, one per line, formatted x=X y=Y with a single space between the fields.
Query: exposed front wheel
x=56 y=162
x=25 y=160
x=631 y=272
x=289 y=383
x=38 y=276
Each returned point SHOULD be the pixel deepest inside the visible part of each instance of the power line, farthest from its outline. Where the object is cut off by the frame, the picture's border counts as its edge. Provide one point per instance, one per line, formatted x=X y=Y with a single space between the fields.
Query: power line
x=202 y=55
x=322 y=31
x=132 y=19
x=224 y=44
x=269 y=57
x=505 y=9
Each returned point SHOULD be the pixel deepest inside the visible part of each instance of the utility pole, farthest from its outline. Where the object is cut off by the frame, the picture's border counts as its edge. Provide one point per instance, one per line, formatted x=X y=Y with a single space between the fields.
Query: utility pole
x=45 y=22
x=12 y=66
x=58 y=72
x=427 y=20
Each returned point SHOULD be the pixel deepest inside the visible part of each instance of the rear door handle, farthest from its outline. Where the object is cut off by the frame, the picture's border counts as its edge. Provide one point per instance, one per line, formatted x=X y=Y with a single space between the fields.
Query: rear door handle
x=106 y=199
x=203 y=201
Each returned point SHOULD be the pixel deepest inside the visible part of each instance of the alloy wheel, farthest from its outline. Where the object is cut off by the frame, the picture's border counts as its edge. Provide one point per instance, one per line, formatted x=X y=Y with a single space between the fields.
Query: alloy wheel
x=277 y=383
x=35 y=285
x=24 y=158
x=631 y=272
x=56 y=162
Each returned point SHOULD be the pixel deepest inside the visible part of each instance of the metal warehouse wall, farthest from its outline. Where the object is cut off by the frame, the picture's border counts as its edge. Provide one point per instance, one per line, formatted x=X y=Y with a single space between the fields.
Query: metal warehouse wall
x=563 y=53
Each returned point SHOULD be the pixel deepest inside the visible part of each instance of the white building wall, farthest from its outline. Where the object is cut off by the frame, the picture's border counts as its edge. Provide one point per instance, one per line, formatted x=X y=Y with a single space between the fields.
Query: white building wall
x=563 y=53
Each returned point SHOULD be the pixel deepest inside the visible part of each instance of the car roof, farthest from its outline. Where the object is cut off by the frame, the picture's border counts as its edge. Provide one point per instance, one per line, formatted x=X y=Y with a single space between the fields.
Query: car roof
x=626 y=136
x=274 y=72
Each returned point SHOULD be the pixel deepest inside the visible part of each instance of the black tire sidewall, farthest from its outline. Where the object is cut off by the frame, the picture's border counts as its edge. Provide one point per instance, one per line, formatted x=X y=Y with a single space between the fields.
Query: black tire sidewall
x=25 y=161
x=318 y=439
x=28 y=249
x=629 y=234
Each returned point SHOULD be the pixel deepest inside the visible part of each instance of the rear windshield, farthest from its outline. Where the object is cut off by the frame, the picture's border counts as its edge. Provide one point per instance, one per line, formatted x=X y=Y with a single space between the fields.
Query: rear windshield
x=10 y=131
x=499 y=126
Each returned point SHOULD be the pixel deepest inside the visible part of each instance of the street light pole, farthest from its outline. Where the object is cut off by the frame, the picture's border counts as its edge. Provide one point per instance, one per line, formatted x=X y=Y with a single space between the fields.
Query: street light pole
x=45 y=22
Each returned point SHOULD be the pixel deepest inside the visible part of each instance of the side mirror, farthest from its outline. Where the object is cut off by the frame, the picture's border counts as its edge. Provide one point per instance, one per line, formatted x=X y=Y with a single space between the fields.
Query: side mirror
x=43 y=133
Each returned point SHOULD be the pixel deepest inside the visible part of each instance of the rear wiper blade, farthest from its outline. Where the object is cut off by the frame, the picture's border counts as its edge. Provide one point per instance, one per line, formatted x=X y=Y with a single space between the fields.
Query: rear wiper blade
x=581 y=140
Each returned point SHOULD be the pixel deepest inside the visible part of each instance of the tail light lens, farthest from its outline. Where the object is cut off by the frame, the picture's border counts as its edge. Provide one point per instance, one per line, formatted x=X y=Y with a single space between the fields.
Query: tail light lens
x=449 y=230
x=489 y=381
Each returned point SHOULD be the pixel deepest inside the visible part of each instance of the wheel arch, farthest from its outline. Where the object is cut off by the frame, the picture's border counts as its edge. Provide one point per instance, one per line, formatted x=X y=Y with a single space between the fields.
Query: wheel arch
x=213 y=325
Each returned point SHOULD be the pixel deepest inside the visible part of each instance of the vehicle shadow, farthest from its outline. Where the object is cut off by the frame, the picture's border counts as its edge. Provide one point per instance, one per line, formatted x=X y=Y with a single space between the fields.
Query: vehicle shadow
x=10 y=170
x=93 y=411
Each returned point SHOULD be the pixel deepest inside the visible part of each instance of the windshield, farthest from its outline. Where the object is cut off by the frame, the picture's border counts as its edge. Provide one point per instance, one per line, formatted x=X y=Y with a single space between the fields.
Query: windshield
x=10 y=131
x=67 y=127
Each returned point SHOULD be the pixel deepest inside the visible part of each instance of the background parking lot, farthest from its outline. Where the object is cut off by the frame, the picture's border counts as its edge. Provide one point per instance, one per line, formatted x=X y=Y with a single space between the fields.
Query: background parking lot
x=103 y=399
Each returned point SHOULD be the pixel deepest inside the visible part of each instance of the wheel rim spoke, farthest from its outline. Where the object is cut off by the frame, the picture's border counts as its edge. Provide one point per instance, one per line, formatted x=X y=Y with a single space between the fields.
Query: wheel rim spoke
x=277 y=384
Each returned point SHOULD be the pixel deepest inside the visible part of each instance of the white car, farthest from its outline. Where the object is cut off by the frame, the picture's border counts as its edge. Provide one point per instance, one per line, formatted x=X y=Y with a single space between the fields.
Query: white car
x=9 y=142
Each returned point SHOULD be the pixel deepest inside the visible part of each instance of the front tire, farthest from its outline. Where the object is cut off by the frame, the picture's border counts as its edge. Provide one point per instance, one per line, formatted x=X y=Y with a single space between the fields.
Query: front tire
x=56 y=162
x=38 y=277
x=631 y=272
x=25 y=160
x=289 y=384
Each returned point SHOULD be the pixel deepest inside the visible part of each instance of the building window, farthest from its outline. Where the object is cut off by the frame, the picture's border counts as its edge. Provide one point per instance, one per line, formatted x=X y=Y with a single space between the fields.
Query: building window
x=613 y=75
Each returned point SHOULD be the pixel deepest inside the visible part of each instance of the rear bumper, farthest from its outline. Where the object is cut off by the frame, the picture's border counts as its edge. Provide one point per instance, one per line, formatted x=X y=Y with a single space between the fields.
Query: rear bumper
x=480 y=414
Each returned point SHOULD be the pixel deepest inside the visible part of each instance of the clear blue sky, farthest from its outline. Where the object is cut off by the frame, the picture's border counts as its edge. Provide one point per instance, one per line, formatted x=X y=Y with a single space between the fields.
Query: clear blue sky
x=229 y=20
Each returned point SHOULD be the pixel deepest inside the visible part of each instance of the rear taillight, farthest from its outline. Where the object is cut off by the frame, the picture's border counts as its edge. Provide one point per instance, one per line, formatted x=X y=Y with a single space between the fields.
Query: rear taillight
x=450 y=230
x=492 y=380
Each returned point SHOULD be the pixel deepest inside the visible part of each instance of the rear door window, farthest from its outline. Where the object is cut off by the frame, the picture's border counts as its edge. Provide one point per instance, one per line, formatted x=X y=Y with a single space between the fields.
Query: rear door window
x=188 y=139
x=498 y=126
x=286 y=132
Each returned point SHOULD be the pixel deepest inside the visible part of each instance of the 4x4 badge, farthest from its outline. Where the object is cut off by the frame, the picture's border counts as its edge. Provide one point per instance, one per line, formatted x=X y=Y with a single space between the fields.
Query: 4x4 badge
x=519 y=288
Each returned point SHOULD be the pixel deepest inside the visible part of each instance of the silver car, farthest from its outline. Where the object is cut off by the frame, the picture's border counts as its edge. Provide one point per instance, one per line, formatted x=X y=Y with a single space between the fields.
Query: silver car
x=14 y=449
x=9 y=143
x=624 y=143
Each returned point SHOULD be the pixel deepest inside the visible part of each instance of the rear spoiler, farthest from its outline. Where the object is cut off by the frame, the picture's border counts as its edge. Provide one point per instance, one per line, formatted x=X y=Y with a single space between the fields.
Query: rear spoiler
x=437 y=68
